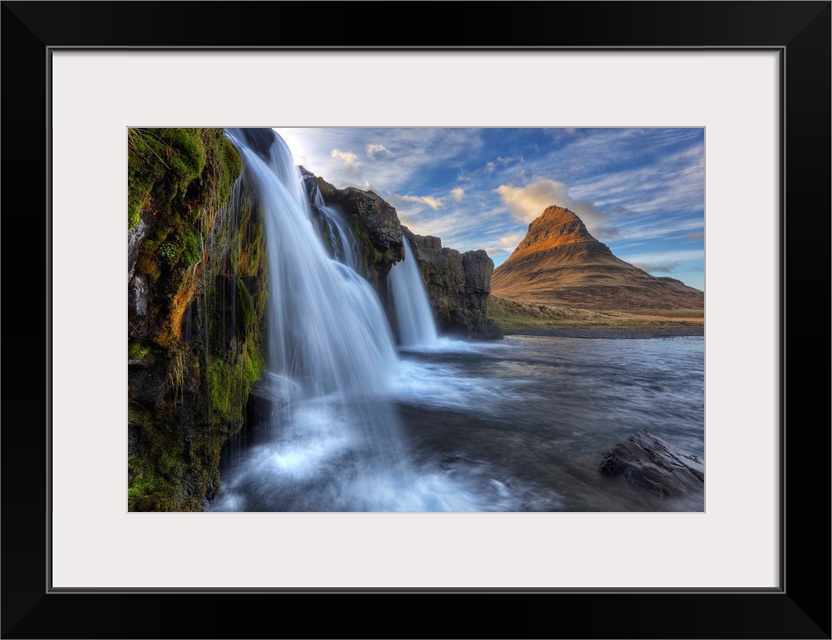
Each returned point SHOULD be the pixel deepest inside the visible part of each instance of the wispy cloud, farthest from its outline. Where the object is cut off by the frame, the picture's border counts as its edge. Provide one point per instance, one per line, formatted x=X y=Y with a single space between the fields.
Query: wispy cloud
x=433 y=203
x=349 y=159
x=506 y=244
x=638 y=190
x=528 y=202
x=374 y=148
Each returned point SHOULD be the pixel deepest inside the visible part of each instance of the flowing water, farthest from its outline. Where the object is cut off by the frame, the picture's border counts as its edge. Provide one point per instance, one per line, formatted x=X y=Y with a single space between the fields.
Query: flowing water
x=338 y=232
x=414 y=317
x=516 y=425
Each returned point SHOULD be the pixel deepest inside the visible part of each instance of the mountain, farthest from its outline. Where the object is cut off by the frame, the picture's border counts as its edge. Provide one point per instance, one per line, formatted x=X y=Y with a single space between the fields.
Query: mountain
x=560 y=263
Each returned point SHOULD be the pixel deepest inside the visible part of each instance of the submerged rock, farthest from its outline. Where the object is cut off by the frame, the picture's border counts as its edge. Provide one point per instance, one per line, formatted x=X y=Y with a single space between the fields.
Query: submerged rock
x=650 y=462
x=267 y=396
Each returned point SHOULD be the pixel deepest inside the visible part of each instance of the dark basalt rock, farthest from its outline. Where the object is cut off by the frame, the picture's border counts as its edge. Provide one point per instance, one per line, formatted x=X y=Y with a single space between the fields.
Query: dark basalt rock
x=650 y=462
x=259 y=140
x=458 y=285
x=267 y=396
x=135 y=237
x=374 y=223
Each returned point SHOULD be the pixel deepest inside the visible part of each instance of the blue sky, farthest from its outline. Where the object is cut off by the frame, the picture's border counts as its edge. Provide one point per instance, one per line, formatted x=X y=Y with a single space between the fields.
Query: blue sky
x=640 y=191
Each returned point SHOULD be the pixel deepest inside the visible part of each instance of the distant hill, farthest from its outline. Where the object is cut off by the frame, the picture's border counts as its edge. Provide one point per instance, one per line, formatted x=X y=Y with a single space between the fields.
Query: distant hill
x=560 y=263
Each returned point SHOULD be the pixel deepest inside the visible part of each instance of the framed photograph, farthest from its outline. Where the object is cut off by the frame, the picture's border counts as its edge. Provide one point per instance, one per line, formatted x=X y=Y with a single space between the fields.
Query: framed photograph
x=753 y=78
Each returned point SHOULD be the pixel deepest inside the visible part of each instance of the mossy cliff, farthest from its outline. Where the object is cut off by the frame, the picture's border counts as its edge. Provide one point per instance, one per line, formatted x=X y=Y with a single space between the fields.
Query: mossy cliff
x=197 y=298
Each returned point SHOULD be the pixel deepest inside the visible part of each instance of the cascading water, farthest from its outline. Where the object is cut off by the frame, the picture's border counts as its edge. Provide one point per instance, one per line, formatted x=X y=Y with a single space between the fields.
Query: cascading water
x=481 y=431
x=336 y=445
x=414 y=317
x=327 y=330
x=340 y=237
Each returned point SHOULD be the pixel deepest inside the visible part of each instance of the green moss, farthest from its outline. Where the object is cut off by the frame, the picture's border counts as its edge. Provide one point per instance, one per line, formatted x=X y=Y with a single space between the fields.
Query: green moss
x=371 y=256
x=136 y=350
x=179 y=180
x=141 y=483
x=167 y=463
x=229 y=383
x=245 y=309
x=190 y=246
x=255 y=363
x=149 y=491
x=251 y=253
x=234 y=167
x=185 y=151
x=219 y=387
x=161 y=165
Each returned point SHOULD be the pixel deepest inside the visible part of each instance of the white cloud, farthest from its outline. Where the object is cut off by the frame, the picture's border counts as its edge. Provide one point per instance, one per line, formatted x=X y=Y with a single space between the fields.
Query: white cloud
x=457 y=194
x=374 y=148
x=347 y=157
x=411 y=154
x=433 y=203
x=506 y=244
x=527 y=203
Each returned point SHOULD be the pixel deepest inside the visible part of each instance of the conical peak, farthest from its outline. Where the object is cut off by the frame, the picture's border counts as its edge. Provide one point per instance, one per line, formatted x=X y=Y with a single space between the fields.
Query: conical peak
x=556 y=226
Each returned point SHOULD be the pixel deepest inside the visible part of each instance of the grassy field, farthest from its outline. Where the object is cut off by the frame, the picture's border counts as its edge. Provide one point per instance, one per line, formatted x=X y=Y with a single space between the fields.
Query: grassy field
x=513 y=316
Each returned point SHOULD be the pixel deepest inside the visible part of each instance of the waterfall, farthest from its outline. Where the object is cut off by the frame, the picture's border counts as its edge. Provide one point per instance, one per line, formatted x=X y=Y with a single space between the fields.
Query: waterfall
x=340 y=237
x=414 y=317
x=327 y=330
x=337 y=444
x=329 y=345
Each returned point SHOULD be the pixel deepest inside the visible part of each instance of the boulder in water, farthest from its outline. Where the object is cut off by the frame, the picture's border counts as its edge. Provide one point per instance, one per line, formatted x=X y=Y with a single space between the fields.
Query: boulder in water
x=267 y=396
x=650 y=462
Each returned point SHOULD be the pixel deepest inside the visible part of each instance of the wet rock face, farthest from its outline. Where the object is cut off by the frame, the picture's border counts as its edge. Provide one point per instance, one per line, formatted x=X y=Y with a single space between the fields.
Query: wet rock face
x=259 y=140
x=138 y=297
x=267 y=396
x=655 y=465
x=458 y=285
x=135 y=237
x=378 y=216
x=374 y=223
x=478 y=267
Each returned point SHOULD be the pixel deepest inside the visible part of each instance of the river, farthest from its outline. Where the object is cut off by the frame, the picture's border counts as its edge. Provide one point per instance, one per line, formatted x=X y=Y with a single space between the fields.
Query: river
x=520 y=424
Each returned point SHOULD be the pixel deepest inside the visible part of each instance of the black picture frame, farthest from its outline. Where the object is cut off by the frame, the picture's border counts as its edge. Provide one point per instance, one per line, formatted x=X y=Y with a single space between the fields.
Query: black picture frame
x=799 y=608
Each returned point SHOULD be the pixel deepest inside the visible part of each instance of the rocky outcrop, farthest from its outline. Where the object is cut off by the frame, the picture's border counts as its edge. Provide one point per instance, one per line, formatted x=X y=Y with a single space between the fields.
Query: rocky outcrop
x=196 y=303
x=653 y=464
x=560 y=263
x=267 y=396
x=373 y=221
x=458 y=285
